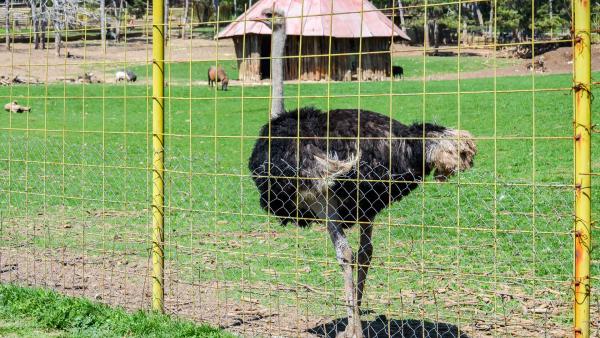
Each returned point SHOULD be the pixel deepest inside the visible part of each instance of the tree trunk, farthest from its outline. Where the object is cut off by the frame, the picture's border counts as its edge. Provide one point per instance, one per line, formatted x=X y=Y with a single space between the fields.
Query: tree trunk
x=35 y=25
x=436 y=36
x=426 y=34
x=57 y=43
x=401 y=13
x=119 y=21
x=491 y=26
x=7 y=22
x=43 y=27
x=551 y=15
x=465 y=33
x=479 y=17
x=103 y=23
x=186 y=9
x=166 y=29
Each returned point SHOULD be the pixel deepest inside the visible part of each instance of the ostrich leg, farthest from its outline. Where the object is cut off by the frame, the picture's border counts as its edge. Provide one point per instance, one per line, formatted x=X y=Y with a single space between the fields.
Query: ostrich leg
x=343 y=253
x=364 y=259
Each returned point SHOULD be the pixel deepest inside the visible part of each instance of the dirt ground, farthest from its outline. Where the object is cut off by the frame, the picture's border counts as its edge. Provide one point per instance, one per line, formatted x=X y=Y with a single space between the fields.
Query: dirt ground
x=558 y=61
x=46 y=67
x=122 y=279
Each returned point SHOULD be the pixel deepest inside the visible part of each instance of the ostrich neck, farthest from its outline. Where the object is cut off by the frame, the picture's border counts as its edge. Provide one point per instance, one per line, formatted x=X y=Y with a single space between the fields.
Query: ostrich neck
x=278 y=47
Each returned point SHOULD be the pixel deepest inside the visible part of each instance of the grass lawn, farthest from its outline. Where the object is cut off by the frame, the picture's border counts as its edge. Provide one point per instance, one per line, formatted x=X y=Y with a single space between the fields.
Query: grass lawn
x=28 y=312
x=434 y=65
x=180 y=73
x=10 y=327
x=505 y=225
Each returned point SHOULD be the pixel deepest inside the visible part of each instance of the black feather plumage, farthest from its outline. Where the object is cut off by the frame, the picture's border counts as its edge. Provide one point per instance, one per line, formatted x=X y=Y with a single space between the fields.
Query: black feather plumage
x=389 y=163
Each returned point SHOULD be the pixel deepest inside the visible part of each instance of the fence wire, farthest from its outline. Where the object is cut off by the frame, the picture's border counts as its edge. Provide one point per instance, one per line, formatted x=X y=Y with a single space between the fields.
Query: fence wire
x=479 y=242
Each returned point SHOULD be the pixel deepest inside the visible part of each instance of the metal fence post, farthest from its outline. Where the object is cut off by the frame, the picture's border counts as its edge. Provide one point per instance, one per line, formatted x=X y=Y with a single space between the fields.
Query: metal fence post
x=158 y=165
x=582 y=92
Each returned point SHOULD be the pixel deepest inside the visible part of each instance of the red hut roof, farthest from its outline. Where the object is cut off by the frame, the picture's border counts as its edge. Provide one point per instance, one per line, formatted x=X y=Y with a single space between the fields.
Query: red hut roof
x=341 y=18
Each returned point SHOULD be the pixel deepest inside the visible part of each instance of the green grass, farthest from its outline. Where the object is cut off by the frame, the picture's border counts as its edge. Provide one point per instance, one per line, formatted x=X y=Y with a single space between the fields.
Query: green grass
x=180 y=73
x=436 y=65
x=505 y=224
x=26 y=328
x=29 y=312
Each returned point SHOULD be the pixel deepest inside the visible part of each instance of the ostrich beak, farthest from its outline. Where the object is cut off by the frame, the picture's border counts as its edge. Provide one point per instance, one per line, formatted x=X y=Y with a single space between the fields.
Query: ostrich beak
x=262 y=19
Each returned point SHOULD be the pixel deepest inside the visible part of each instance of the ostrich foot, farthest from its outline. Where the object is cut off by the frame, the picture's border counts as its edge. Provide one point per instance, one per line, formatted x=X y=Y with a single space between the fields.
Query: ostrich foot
x=353 y=330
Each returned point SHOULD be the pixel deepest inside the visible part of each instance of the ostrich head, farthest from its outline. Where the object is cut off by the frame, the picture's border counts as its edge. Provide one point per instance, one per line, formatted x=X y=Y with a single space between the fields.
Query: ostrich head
x=449 y=151
x=275 y=19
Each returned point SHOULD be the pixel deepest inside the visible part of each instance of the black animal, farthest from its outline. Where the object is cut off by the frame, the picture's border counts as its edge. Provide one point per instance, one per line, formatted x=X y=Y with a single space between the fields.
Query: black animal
x=131 y=76
x=397 y=72
x=343 y=167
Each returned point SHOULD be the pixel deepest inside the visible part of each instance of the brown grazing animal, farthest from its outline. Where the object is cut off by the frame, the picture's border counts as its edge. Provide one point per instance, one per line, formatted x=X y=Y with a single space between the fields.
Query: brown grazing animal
x=217 y=75
x=14 y=107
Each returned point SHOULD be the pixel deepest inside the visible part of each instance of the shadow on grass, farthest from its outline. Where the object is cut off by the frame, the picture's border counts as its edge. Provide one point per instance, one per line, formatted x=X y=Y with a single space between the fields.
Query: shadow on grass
x=396 y=328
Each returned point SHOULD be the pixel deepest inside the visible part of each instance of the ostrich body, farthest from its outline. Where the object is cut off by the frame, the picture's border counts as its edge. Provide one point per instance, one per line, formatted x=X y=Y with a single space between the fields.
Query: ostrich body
x=343 y=167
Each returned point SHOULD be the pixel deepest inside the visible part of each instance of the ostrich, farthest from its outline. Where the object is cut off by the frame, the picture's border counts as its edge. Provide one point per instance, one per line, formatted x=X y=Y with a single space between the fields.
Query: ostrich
x=343 y=167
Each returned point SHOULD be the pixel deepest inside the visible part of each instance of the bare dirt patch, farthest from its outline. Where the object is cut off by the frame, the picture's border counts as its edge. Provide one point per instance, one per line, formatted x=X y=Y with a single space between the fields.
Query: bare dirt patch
x=79 y=57
x=122 y=280
x=119 y=279
x=557 y=61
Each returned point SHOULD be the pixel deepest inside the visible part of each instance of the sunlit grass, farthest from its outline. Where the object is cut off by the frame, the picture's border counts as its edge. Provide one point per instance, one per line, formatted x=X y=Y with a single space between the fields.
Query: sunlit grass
x=506 y=222
x=28 y=312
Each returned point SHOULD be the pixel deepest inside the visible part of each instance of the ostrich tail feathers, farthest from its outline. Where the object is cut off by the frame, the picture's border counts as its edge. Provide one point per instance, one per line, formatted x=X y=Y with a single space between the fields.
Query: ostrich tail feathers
x=332 y=167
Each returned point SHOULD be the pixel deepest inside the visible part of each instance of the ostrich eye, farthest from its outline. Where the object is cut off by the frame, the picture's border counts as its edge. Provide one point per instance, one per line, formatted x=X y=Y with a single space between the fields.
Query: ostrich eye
x=269 y=15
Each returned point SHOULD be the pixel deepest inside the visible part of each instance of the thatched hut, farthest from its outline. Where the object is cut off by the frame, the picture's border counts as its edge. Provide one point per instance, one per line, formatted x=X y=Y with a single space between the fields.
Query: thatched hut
x=360 y=37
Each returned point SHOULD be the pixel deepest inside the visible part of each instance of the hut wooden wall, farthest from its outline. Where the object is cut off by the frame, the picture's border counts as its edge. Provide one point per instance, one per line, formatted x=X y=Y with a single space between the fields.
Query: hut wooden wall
x=248 y=58
x=315 y=61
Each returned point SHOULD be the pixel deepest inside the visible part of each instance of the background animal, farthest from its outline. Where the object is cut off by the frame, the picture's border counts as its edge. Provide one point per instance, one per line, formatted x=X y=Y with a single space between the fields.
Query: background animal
x=217 y=75
x=125 y=75
x=88 y=78
x=397 y=72
x=309 y=167
x=14 y=107
x=537 y=65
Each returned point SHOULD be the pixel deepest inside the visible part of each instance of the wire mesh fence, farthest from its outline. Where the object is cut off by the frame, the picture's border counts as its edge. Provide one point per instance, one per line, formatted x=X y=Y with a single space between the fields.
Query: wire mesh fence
x=453 y=143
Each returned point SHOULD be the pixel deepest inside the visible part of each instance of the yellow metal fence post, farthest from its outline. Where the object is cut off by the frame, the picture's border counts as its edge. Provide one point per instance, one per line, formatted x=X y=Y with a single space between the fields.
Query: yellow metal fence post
x=583 y=125
x=158 y=165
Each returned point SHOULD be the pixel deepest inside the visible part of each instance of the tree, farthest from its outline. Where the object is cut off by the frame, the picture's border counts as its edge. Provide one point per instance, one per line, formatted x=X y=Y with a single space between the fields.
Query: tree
x=7 y=22
x=38 y=21
x=137 y=8
x=34 y=23
x=491 y=21
x=401 y=13
x=66 y=14
x=186 y=10
x=166 y=20
x=479 y=15
x=103 y=23
x=117 y=18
